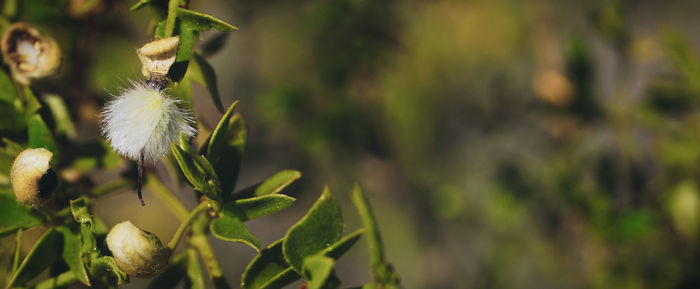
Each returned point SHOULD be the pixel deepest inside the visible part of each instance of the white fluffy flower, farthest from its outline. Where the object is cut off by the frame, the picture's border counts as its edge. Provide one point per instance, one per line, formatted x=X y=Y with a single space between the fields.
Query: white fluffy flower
x=145 y=118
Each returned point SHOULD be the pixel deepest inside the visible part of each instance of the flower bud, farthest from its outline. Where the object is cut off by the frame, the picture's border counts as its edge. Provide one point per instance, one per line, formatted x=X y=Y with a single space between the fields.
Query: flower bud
x=29 y=54
x=137 y=252
x=32 y=177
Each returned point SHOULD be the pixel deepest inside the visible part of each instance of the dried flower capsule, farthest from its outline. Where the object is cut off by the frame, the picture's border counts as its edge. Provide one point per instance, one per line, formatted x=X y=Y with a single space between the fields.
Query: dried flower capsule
x=32 y=177
x=156 y=58
x=137 y=252
x=29 y=53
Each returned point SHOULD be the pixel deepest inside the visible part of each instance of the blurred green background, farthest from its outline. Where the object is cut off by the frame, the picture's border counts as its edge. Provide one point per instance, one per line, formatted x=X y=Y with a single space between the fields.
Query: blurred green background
x=503 y=143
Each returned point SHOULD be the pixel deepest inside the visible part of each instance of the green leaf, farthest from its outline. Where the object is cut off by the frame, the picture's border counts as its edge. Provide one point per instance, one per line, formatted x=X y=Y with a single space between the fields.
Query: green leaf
x=31 y=103
x=40 y=135
x=82 y=216
x=272 y=185
x=268 y=270
x=15 y=215
x=229 y=160
x=277 y=182
x=203 y=22
x=229 y=228
x=251 y=208
x=219 y=137
x=369 y=221
x=72 y=254
x=140 y=4
x=184 y=51
x=318 y=270
x=173 y=274
x=59 y=110
x=383 y=274
x=107 y=270
x=315 y=232
x=194 y=271
x=160 y=29
x=12 y=120
x=214 y=44
x=45 y=252
x=202 y=72
x=198 y=171
x=8 y=93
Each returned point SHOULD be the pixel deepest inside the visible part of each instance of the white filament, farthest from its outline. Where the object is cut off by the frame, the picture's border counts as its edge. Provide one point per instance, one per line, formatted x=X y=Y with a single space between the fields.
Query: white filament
x=144 y=117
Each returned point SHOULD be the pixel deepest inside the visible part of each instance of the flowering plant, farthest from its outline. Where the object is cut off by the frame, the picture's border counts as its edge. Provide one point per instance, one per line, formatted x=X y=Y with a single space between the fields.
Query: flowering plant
x=147 y=123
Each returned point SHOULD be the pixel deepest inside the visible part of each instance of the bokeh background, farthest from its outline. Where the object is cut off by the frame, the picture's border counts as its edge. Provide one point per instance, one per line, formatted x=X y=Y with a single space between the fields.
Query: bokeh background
x=503 y=143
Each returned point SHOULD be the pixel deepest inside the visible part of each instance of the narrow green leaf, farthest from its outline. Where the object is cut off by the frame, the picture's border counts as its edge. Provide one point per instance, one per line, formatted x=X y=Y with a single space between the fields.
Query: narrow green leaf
x=315 y=232
x=198 y=171
x=272 y=185
x=229 y=228
x=59 y=110
x=44 y=253
x=72 y=254
x=383 y=274
x=369 y=221
x=214 y=44
x=318 y=270
x=277 y=182
x=339 y=248
x=256 y=207
x=8 y=93
x=82 y=216
x=31 y=103
x=107 y=270
x=203 y=22
x=12 y=120
x=194 y=271
x=12 y=147
x=173 y=274
x=40 y=135
x=203 y=73
x=15 y=215
x=18 y=251
x=160 y=30
x=229 y=160
x=219 y=137
x=140 y=4
x=184 y=51
x=268 y=270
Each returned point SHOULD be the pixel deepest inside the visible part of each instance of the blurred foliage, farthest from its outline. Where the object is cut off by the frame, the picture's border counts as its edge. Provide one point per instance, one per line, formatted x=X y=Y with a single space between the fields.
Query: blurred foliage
x=483 y=174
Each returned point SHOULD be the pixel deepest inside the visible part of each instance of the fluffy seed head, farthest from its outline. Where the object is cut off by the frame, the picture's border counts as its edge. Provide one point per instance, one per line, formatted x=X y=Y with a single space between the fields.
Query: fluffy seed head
x=144 y=117
x=137 y=252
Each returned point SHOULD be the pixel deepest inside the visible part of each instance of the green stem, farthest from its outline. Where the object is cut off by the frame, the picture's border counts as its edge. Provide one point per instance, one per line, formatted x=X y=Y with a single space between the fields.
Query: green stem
x=200 y=241
x=181 y=230
x=110 y=187
x=18 y=251
x=172 y=14
x=62 y=280
x=167 y=197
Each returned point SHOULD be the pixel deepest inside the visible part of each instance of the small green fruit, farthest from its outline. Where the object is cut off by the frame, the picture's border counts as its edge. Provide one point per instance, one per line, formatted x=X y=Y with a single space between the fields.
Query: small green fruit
x=137 y=252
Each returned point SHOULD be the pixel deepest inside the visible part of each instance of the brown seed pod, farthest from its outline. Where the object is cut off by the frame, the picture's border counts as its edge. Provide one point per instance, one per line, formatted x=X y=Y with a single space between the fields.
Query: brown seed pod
x=30 y=54
x=32 y=177
x=156 y=57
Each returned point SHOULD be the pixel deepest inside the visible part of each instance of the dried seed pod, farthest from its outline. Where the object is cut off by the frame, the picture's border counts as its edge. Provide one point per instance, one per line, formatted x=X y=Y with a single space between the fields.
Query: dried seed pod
x=32 y=177
x=156 y=57
x=137 y=252
x=30 y=54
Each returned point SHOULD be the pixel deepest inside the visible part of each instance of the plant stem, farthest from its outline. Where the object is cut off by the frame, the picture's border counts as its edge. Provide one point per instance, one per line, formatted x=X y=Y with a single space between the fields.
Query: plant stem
x=59 y=281
x=170 y=21
x=200 y=241
x=167 y=197
x=18 y=251
x=181 y=230
x=369 y=221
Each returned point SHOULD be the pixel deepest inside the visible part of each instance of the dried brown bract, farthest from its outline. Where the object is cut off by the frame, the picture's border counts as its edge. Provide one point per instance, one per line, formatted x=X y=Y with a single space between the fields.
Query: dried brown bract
x=29 y=53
